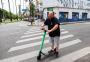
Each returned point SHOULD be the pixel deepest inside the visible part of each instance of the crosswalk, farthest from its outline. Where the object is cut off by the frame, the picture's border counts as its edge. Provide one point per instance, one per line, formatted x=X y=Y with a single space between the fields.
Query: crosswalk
x=35 y=34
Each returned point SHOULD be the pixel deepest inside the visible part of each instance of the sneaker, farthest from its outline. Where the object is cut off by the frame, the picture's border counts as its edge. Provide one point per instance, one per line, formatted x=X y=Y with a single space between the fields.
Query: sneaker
x=57 y=54
x=55 y=50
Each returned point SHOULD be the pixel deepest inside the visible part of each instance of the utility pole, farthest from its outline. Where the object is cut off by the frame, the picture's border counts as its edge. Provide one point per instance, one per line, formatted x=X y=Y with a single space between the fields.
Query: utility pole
x=10 y=11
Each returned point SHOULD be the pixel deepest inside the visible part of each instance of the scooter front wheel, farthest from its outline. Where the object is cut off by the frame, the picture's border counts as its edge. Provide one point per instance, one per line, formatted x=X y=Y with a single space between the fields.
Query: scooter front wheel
x=39 y=57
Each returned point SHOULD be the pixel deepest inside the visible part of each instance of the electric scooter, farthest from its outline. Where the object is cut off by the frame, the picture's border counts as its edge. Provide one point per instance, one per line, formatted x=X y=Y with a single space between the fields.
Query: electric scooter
x=41 y=47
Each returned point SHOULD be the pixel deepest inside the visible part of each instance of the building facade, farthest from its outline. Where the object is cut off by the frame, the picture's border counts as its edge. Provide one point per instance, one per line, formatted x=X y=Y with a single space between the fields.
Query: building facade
x=67 y=10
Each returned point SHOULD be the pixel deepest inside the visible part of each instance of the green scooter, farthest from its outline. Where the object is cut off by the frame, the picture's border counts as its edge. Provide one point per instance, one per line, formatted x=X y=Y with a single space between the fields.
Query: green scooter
x=41 y=47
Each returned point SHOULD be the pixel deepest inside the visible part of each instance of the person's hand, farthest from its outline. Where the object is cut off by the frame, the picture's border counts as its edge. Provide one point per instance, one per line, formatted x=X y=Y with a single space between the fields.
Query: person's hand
x=42 y=28
x=49 y=31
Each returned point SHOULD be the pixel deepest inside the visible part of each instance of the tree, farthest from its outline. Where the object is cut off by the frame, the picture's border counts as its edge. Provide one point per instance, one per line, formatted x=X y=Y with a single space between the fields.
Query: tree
x=7 y=14
x=32 y=12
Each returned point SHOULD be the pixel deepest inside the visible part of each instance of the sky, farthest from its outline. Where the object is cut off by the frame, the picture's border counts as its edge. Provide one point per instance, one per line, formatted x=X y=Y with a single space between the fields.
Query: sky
x=12 y=4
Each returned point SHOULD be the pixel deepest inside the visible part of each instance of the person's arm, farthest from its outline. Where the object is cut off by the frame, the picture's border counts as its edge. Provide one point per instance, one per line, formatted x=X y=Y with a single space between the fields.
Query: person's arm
x=55 y=26
x=53 y=29
x=43 y=25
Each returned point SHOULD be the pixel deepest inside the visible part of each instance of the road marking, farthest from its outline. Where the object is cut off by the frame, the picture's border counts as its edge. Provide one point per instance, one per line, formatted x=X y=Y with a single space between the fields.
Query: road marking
x=37 y=31
x=35 y=53
x=31 y=35
x=34 y=32
x=31 y=30
x=64 y=32
x=87 y=23
x=14 y=33
x=30 y=39
x=28 y=45
x=73 y=56
x=62 y=29
x=33 y=44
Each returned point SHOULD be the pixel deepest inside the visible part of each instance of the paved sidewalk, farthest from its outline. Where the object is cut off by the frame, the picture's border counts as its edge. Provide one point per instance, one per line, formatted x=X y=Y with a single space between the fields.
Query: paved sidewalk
x=64 y=23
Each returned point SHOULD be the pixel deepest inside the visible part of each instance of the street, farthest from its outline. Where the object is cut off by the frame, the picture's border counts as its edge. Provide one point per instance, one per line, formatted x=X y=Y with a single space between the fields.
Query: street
x=21 y=43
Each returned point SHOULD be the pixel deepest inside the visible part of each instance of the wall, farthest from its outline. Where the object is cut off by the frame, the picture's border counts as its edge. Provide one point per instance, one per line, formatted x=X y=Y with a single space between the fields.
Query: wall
x=57 y=10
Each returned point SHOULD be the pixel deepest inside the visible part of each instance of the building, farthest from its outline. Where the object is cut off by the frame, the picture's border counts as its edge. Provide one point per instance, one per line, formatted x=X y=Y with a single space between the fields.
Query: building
x=67 y=10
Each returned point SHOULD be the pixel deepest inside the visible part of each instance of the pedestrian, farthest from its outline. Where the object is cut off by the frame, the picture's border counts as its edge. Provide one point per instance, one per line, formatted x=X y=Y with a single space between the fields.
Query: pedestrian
x=54 y=32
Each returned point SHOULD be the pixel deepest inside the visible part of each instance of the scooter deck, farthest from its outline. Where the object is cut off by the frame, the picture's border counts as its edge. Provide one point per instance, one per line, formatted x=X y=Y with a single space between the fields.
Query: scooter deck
x=45 y=55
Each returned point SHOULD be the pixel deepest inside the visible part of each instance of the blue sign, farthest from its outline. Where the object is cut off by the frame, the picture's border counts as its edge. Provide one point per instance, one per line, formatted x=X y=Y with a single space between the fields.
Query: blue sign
x=24 y=9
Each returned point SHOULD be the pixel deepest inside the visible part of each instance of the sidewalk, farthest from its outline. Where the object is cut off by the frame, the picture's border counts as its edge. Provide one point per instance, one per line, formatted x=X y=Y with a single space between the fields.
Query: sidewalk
x=38 y=23
x=65 y=23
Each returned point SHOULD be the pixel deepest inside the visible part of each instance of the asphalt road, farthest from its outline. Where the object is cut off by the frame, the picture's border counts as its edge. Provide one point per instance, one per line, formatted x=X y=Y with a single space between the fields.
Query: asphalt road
x=20 y=43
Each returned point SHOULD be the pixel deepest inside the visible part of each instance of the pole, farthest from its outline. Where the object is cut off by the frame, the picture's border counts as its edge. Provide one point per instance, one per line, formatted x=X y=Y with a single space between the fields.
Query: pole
x=10 y=11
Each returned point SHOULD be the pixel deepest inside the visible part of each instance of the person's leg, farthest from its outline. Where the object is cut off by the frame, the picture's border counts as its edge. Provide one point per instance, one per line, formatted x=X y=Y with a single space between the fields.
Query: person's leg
x=52 y=42
x=56 y=42
x=51 y=39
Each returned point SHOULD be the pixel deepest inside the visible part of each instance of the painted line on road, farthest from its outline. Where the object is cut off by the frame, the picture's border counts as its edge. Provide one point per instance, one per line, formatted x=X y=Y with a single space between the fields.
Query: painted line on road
x=31 y=30
x=32 y=54
x=37 y=31
x=35 y=38
x=32 y=35
x=30 y=39
x=73 y=56
x=30 y=45
x=64 y=32
x=14 y=33
x=26 y=46
x=34 y=32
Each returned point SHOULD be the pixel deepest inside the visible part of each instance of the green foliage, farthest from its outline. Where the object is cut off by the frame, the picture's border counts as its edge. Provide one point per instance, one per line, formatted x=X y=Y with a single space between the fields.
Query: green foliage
x=32 y=9
x=7 y=15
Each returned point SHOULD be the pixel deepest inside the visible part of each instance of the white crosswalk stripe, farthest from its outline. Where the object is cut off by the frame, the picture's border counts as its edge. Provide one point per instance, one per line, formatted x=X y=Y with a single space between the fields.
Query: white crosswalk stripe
x=33 y=32
x=30 y=45
x=65 y=32
x=36 y=31
x=35 y=53
x=37 y=34
x=35 y=38
x=74 y=55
